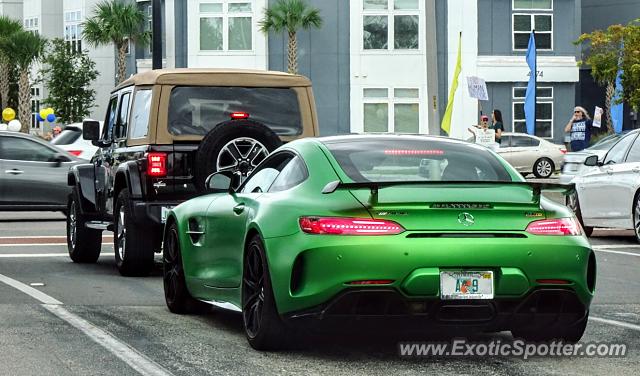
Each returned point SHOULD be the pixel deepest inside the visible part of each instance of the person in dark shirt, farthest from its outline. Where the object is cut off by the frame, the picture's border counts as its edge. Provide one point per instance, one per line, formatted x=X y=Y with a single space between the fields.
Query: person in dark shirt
x=497 y=125
x=579 y=128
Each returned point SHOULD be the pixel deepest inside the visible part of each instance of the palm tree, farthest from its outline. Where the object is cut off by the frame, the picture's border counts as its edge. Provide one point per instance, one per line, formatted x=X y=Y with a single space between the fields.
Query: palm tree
x=291 y=15
x=116 y=22
x=24 y=48
x=8 y=26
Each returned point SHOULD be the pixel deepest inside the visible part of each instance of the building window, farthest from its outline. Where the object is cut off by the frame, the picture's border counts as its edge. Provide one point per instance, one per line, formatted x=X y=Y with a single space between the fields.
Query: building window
x=395 y=110
x=35 y=106
x=150 y=27
x=544 y=111
x=538 y=17
x=226 y=26
x=32 y=25
x=391 y=24
x=73 y=30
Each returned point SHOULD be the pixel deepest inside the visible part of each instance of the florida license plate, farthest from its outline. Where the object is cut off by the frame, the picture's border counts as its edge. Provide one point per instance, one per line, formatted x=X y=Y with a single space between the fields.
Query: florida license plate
x=466 y=285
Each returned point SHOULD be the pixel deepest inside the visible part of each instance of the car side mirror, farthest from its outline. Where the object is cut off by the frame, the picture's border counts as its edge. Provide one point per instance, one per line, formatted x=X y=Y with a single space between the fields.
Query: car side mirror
x=58 y=159
x=591 y=161
x=219 y=182
x=91 y=130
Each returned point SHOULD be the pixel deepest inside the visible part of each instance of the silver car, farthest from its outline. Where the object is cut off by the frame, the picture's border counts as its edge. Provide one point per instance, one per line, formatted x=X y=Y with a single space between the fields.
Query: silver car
x=33 y=173
x=573 y=164
x=531 y=154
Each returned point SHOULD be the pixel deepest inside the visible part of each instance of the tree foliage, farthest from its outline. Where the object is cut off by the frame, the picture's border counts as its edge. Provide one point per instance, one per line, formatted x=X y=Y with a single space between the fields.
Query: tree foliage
x=68 y=76
x=8 y=26
x=116 y=22
x=616 y=48
x=291 y=16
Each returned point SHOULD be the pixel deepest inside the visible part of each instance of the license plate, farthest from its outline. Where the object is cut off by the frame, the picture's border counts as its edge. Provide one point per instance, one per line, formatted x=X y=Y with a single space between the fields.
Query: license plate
x=466 y=285
x=164 y=211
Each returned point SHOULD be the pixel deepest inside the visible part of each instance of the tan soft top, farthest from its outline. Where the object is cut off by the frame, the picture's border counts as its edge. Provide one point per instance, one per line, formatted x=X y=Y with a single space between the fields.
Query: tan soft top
x=216 y=77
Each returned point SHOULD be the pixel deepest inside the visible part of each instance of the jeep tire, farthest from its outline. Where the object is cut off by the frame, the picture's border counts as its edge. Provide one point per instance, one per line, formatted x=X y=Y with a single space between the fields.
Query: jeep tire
x=132 y=241
x=237 y=146
x=83 y=243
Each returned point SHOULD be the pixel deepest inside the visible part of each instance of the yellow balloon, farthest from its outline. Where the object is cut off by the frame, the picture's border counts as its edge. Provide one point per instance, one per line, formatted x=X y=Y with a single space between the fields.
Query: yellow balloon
x=8 y=114
x=50 y=111
x=43 y=113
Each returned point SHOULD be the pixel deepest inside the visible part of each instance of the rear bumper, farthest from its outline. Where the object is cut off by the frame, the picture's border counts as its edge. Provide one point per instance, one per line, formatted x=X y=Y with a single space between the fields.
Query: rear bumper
x=309 y=271
x=151 y=212
x=358 y=309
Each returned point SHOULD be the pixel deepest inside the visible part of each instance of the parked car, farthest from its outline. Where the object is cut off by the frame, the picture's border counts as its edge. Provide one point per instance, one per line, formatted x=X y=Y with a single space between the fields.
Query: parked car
x=531 y=154
x=608 y=193
x=70 y=139
x=330 y=233
x=573 y=163
x=165 y=131
x=33 y=173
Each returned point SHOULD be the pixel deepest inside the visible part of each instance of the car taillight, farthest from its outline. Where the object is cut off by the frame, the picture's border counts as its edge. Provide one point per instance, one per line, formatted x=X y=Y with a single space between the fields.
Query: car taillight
x=157 y=164
x=557 y=226
x=75 y=152
x=349 y=226
x=239 y=115
x=563 y=151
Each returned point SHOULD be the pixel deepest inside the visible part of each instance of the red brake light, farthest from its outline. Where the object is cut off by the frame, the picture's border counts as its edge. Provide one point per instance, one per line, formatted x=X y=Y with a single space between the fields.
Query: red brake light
x=413 y=152
x=372 y=282
x=157 y=164
x=553 y=281
x=558 y=226
x=349 y=226
x=563 y=151
x=75 y=152
x=239 y=115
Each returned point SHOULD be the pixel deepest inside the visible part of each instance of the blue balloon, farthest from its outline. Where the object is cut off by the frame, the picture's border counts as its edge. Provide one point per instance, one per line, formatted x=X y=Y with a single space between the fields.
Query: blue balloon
x=39 y=118
x=51 y=118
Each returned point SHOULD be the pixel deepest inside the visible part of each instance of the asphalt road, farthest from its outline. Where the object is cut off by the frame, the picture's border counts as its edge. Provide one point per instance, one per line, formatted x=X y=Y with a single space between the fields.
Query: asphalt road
x=92 y=321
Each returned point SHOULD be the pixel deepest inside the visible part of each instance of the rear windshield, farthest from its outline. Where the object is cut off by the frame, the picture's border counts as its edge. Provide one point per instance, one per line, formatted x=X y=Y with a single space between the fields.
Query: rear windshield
x=196 y=110
x=404 y=159
x=67 y=137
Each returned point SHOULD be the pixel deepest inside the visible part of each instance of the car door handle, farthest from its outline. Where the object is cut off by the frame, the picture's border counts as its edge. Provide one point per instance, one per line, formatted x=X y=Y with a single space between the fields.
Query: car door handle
x=238 y=209
x=14 y=171
x=636 y=170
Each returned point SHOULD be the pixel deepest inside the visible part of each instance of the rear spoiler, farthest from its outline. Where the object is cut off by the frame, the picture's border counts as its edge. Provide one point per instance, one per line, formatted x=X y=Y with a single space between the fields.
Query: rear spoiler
x=537 y=188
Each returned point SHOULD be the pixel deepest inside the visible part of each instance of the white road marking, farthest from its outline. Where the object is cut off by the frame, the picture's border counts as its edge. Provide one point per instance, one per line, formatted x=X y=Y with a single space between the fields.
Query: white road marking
x=618 y=252
x=37 y=255
x=126 y=353
x=616 y=246
x=132 y=357
x=34 y=293
x=35 y=237
x=616 y=323
x=34 y=245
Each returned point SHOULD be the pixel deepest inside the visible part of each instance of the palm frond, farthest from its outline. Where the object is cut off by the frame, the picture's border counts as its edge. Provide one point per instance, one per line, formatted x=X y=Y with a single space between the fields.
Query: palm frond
x=24 y=48
x=115 y=21
x=291 y=15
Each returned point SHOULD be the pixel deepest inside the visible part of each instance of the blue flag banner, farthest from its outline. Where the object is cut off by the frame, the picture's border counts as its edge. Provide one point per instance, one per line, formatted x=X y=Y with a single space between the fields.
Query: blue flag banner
x=617 y=109
x=530 y=97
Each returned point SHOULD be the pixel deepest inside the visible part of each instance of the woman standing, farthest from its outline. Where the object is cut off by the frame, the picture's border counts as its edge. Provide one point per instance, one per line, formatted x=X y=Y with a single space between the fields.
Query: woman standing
x=580 y=127
x=497 y=125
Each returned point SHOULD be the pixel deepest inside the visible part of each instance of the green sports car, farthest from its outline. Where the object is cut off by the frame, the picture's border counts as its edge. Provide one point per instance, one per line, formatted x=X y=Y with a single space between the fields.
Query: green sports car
x=399 y=232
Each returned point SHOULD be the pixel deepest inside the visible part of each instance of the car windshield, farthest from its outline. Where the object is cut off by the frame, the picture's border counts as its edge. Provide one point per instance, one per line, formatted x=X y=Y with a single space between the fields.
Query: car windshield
x=196 y=110
x=605 y=143
x=67 y=137
x=412 y=159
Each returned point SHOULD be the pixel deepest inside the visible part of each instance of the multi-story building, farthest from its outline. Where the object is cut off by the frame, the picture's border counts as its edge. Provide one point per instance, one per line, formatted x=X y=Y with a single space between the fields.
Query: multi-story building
x=376 y=65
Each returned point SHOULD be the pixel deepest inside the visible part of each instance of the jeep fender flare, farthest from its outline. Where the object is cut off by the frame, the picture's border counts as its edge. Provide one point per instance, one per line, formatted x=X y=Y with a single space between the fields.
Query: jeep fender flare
x=128 y=177
x=82 y=180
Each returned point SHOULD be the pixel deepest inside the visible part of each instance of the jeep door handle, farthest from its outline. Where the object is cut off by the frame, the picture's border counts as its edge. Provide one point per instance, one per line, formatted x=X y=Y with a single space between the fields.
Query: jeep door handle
x=14 y=171
x=238 y=209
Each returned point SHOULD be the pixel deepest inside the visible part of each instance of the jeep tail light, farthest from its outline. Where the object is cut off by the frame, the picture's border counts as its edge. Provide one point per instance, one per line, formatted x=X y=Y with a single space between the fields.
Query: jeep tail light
x=239 y=115
x=75 y=152
x=557 y=226
x=348 y=226
x=157 y=164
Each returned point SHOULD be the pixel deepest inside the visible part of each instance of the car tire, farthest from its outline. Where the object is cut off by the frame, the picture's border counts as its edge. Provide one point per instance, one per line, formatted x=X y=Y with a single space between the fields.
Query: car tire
x=636 y=216
x=176 y=295
x=570 y=334
x=84 y=244
x=573 y=203
x=543 y=168
x=263 y=326
x=132 y=241
x=235 y=145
